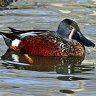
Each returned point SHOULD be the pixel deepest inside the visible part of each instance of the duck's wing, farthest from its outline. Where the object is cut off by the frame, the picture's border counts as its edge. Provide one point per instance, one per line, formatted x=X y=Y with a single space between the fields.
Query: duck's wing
x=16 y=31
x=28 y=34
x=34 y=33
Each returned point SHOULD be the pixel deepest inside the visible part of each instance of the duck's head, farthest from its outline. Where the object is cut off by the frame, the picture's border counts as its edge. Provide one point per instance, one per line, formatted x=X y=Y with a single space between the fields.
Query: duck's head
x=70 y=29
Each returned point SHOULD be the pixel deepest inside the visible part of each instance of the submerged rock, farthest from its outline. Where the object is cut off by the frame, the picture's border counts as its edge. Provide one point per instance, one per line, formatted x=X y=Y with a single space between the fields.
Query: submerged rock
x=4 y=3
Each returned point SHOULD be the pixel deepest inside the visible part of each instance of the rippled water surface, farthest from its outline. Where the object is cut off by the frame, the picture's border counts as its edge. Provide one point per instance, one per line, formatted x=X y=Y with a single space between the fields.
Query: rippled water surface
x=48 y=76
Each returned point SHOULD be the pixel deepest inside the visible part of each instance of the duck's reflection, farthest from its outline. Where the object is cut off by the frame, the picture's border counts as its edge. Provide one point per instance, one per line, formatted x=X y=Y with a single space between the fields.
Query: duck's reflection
x=41 y=63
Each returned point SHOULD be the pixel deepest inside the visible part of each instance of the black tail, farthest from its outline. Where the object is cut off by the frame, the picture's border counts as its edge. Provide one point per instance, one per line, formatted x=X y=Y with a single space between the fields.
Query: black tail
x=7 y=38
x=9 y=35
x=13 y=30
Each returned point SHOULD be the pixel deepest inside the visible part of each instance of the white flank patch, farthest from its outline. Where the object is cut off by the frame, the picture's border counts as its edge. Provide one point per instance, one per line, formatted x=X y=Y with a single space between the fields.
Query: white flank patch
x=15 y=57
x=15 y=42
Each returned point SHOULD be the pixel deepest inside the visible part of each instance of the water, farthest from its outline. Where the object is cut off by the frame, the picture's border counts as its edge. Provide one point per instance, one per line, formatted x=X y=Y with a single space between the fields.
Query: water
x=48 y=76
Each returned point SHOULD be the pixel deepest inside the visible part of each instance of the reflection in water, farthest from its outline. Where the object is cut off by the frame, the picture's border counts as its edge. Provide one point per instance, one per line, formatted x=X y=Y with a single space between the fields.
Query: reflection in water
x=41 y=63
x=71 y=65
x=39 y=5
x=71 y=78
x=67 y=91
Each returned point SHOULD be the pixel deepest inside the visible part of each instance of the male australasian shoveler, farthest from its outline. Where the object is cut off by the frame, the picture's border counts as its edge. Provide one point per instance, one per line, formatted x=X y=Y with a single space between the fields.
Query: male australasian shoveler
x=66 y=41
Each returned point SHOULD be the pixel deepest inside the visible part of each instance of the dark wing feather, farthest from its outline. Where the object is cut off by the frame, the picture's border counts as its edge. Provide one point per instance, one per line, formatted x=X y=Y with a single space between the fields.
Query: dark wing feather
x=15 y=31
x=9 y=35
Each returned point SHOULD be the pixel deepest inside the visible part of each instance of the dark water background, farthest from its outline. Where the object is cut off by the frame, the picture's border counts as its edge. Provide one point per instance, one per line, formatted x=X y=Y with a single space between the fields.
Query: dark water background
x=48 y=76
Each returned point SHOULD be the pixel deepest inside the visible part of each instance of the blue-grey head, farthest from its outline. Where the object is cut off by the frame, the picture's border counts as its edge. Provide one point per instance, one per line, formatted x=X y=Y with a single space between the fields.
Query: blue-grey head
x=69 y=29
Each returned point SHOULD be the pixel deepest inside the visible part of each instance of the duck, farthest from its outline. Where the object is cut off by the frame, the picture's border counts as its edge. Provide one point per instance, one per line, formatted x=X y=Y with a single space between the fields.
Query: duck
x=66 y=41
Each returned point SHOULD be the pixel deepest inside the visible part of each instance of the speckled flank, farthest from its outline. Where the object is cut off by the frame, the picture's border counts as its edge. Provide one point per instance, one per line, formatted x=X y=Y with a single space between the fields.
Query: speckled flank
x=49 y=45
